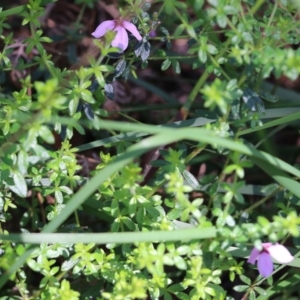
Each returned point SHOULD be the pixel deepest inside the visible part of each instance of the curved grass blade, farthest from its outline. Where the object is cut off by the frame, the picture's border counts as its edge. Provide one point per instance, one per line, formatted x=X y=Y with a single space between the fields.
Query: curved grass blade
x=115 y=238
x=283 y=120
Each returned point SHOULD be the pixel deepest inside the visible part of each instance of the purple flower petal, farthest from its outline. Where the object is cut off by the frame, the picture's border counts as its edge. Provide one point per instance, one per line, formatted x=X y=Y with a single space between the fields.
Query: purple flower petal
x=265 y=264
x=280 y=253
x=132 y=28
x=253 y=256
x=103 y=28
x=152 y=33
x=121 y=38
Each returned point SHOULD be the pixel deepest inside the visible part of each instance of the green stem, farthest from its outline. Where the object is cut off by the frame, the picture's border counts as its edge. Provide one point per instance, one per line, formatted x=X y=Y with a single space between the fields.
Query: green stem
x=129 y=118
x=232 y=26
x=171 y=57
x=158 y=38
x=218 y=66
x=77 y=218
x=277 y=129
x=42 y=54
x=80 y=15
x=257 y=6
x=273 y=13
x=226 y=209
x=242 y=79
x=183 y=21
x=194 y=153
x=258 y=203
x=187 y=105
x=161 y=9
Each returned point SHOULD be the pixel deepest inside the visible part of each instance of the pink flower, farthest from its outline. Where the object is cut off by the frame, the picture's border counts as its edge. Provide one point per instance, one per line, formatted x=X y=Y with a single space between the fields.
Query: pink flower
x=264 y=257
x=121 y=38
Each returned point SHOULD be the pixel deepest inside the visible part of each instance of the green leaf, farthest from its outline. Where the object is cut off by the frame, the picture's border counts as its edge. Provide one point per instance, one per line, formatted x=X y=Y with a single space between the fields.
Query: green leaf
x=268 y=97
x=115 y=226
x=23 y=162
x=180 y=263
x=264 y=222
x=88 y=110
x=175 y=288
x=198 y=4
x=241 y=288
x=128 y=222
x=253 y=101
x=174 y=213
x=59 y=197
x=73 y=104
x=202 y=55
x=230 y=10
x=191 y=180
x=109 y=91
x=191 y=32
x=46 y=134
x=164 y=30
x=260 y=291
x=221 y=20
x=69 y=264
x=120 y=68
x=166 y=64
x=212 y=49
x=87 y=96
x=183 y=296
x=146 y=51
x=176 y=66
x=245 y=279
x=20 y=187
x=214 y=3
x=142 y=49
x=66 y=190
x=252 y=295
x=167 y=296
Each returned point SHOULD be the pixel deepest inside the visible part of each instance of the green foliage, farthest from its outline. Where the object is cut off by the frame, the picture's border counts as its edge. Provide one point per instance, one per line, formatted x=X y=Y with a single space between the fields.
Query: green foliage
x=180 y=224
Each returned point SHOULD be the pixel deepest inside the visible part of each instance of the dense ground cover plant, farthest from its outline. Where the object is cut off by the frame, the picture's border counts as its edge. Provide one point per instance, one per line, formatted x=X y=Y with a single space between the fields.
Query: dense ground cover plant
x=147 y=148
